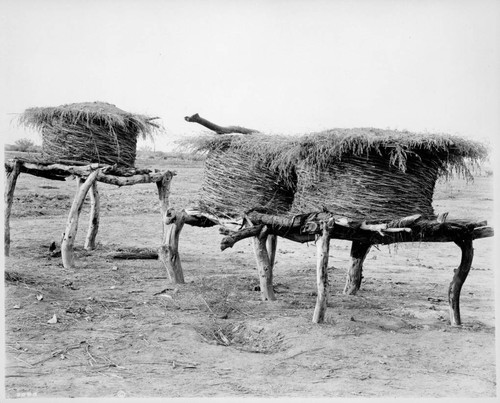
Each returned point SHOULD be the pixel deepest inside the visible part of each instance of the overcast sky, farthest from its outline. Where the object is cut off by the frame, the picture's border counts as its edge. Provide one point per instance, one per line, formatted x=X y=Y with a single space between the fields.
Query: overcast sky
x=277 y=66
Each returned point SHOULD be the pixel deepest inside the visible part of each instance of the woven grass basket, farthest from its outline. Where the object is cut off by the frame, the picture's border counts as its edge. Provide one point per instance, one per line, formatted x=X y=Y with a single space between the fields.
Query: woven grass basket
x=234 y=183
x=373 y=174
x=89 y=132
x=367 y=188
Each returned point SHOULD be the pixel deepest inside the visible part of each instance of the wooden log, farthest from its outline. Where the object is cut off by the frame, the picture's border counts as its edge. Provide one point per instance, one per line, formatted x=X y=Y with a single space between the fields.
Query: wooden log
x=482 y=232
x=55 y=170
x=12 y=173
x=67 y=243
x=458 y=280
x=359 y=250
x=264 y=266
x=172 y=226
x=323 y=250
x=216 y=128
x=229 y=240
x=304 y=227
x=199 y=221
x=135 y=179
x=109 y=174
x=135 y=256
x=90 y=243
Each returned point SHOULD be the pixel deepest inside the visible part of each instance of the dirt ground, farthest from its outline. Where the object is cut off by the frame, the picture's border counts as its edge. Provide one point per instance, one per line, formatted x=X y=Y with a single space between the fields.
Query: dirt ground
x=123 y=331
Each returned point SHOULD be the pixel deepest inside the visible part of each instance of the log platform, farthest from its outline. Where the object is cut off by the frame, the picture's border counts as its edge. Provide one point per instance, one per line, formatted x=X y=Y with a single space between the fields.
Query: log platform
x=87 y=176
x=321 y=227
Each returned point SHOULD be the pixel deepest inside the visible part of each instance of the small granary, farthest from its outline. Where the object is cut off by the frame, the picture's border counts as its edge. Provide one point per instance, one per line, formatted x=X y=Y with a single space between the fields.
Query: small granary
x=92 y=142
x=89 y=132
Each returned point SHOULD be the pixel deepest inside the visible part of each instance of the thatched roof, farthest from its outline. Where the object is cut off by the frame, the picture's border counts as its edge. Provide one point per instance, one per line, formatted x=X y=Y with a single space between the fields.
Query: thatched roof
x=86 y=113
x=321 y=149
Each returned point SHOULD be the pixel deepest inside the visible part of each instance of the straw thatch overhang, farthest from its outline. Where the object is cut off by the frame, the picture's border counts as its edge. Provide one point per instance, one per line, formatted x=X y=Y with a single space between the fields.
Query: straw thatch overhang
x=91 y=132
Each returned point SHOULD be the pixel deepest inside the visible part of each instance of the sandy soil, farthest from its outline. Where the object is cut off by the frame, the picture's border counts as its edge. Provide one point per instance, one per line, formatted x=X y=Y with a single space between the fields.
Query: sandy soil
x=123 y=330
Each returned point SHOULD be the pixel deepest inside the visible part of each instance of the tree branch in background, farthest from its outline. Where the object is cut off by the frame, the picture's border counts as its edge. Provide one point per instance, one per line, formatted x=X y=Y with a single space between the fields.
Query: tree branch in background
x=216 y=128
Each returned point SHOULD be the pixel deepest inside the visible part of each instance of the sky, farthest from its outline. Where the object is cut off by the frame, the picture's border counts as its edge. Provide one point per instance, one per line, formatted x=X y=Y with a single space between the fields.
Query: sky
x=282 y=67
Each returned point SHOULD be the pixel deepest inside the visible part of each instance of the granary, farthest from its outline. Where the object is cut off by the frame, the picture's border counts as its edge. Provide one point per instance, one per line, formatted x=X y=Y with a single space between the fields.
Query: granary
x=365 y=185
x=94 y=142
x=89 y=132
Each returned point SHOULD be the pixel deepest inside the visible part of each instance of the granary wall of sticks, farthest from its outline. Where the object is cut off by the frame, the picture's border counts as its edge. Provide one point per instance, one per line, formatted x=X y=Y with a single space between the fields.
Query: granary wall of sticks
x=94 y=142
x=368 y=186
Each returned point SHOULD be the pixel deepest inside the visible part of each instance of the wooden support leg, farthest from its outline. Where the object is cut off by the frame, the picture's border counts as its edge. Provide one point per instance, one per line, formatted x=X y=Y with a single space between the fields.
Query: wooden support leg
x=94 y=218
x=264 y=266
x=172 y=226
x=359 y=250
x=72 y=223
x=271 y=244
x=169 y=249
x=459 y=279
x=10 y=187
x=323 y=249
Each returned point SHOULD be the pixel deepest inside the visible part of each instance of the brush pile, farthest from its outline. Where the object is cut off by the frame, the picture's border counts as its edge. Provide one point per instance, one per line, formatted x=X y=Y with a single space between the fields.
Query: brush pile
x=89 y=132
x=365 y=173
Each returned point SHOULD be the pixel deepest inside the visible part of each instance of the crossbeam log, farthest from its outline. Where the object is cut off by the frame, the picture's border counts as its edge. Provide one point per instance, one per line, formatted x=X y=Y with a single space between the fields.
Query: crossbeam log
x=109 y=174
x=304 y=227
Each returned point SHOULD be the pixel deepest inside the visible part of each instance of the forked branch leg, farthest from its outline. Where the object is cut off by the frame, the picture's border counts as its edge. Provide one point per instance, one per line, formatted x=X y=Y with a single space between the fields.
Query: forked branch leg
x=271 y=244
x=10 y=187
x=359 y=250
x=172 y=226
x=323 y=249
x=94 y=218
x=264 y=265
x=173 y=222
x=458 y=280
x=68 y=240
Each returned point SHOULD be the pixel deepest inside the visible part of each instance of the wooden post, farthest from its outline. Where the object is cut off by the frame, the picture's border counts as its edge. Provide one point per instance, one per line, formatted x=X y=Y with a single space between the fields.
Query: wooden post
x=10 y=187
x=169 y=249
x=322 y=250
x=264 y=266
x=359 y=250
x=93 y=219
x=459 y=279
x=72 y=223
x=271 y=244
x=172 y=227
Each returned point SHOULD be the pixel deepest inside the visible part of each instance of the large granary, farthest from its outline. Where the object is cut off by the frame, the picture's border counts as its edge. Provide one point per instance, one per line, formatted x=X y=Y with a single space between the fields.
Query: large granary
x=364 y=174
x=365 y=185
